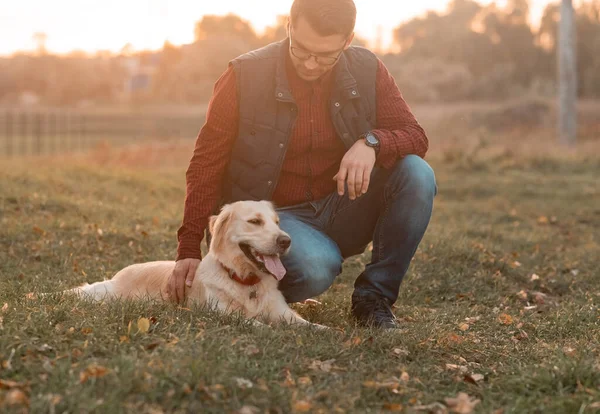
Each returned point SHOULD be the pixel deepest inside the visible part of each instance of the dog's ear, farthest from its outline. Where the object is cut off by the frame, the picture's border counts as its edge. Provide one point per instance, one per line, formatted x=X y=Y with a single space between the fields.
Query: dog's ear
x=218 y=225
x=211 y=224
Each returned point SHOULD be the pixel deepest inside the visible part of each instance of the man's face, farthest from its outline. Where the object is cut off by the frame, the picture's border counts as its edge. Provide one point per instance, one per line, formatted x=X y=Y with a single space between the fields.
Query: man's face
x=312 y=54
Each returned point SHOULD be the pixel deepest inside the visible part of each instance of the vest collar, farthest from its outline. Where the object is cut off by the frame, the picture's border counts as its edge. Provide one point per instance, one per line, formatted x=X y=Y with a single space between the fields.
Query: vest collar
x=250 y=280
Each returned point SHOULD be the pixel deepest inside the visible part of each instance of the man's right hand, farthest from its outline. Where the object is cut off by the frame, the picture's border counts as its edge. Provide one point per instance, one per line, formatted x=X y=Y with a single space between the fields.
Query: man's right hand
x=182 y=276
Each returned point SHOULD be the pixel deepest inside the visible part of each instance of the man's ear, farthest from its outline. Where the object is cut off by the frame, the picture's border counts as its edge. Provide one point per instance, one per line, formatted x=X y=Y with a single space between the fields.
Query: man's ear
x=349 y=41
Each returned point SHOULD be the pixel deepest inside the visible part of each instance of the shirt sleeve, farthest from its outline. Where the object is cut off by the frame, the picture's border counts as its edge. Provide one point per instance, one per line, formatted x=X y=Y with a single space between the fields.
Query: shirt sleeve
x=207 y=166
x=398 y=131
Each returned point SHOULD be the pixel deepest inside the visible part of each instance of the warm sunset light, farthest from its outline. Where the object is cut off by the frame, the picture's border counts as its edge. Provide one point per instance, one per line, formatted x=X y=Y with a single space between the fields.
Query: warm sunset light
x=92 y=25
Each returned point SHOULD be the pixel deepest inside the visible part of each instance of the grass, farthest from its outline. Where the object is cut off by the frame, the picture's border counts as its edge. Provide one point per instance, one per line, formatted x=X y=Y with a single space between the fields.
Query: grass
x=500 y=303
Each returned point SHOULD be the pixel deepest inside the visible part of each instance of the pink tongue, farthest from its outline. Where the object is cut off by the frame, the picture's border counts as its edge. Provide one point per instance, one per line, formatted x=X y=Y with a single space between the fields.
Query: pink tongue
x=274 y=265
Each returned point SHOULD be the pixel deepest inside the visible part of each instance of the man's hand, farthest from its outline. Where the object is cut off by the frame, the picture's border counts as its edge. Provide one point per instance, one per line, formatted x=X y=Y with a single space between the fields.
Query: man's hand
x=182 y=276
x=356 y=168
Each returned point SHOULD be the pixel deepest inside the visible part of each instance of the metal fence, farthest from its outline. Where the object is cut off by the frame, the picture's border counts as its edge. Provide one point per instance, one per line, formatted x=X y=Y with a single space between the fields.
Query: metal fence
x=53 y=132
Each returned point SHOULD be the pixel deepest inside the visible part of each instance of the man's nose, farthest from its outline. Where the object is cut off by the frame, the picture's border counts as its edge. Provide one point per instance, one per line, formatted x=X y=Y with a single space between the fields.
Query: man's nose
x=311 y=63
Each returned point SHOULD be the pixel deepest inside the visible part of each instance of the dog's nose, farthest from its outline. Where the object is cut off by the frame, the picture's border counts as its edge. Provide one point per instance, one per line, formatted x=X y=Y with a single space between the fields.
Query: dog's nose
x=283 y=242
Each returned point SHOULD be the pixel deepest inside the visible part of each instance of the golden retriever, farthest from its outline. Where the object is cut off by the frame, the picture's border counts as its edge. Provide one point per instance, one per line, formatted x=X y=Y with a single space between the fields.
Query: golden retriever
x=240 y=273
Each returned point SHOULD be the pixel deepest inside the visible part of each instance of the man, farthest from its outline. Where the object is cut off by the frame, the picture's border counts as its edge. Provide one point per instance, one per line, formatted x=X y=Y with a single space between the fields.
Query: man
x=320 y=128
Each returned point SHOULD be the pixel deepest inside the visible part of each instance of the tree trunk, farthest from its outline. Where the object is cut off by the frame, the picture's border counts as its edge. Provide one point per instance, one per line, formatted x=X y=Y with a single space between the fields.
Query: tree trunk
x=567 y=75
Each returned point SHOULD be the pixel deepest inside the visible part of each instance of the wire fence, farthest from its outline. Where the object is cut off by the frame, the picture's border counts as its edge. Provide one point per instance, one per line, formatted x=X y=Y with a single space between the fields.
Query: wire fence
x=25 y=133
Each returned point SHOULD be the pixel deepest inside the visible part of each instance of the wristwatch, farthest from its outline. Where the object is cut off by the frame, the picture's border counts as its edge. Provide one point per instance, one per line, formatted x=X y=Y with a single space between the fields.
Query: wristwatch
x=372 y=141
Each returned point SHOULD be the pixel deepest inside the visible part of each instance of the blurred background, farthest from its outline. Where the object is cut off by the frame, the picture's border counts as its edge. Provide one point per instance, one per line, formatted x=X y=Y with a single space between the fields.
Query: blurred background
x=479 y=75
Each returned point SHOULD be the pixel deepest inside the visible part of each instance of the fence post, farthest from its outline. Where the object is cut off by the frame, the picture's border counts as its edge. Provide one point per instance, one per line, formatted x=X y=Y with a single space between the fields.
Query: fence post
x=82 y=140
x=23 y=134
x=37 y=133
x=9 y=134
x=51 y=136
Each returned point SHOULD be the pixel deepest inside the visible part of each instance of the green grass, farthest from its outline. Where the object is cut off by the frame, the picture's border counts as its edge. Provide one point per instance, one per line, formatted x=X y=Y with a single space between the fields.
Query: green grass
x=468 y=305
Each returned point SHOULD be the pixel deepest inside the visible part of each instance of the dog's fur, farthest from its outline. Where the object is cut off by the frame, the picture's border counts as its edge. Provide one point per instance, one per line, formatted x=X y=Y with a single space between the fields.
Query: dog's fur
x=253 y=225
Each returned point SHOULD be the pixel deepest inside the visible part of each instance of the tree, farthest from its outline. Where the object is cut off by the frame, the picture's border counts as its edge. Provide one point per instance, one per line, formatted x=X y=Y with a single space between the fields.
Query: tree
x=230 y=26
x=567 y=75
x=40 y=40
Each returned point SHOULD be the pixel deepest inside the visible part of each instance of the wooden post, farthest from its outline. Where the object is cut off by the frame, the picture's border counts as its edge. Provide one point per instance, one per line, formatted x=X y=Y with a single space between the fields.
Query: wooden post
x=567 y=75
x=37 y=134
x=23 y=134
x=52 y=132
x=9 y=134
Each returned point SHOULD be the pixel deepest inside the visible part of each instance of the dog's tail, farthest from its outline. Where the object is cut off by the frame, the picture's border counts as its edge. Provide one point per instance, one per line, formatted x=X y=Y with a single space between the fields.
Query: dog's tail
x=95 y=291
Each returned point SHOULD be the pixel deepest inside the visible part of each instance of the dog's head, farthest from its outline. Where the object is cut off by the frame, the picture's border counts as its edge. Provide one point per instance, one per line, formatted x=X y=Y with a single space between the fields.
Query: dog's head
x=246 y=238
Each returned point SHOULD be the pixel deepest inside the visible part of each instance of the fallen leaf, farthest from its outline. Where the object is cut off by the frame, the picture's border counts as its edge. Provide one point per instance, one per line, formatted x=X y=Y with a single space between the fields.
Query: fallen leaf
x=252 y=350
x=143 y=325
x=289 y=379
x=352 y=342
x=462 y=404
x=569 y=351
x=452 y=338
x=474 y=378
x=522 y=295
x=505 y=319
x=459 y=368
x=38 y=230
x=400 y=352
x=539 y=297
x=404 y=376
x=54 y=399
x=243 y=383
x=5 y=307
x=92 y=371
x=16 y=397
x=8 y=384
x=392 y=407
x=123 y=338
x=543 y=220
x=390 y=385
x=594 y=405
x=463 y=327
x=304 y=381
x=324 y=366
x=248 y=409
x=534 y=277
x=302 y=406
x=435 y=408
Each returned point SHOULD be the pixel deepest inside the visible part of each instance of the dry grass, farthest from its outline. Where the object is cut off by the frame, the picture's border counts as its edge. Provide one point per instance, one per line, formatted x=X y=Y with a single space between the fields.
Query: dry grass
x=501 y=300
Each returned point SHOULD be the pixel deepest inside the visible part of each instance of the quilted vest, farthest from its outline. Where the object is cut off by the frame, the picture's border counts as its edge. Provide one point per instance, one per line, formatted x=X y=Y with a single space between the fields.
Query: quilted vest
x=267 y=112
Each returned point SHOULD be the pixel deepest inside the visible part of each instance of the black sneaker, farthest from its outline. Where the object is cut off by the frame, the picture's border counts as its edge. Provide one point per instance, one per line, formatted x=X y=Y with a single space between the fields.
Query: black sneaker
x=373 y=311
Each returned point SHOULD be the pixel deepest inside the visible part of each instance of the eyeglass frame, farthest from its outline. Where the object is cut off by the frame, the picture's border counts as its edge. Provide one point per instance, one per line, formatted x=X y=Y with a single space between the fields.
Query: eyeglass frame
x=310 y=54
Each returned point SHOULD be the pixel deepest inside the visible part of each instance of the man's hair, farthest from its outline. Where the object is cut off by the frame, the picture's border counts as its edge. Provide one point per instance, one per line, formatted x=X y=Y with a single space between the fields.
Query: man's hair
x=326 y=17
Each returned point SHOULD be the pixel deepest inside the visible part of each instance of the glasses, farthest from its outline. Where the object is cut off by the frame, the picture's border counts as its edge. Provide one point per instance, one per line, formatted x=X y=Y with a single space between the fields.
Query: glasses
x=305 y=55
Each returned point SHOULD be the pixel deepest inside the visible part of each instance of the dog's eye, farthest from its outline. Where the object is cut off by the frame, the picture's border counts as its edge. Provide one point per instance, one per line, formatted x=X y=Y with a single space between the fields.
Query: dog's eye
x=258 y=222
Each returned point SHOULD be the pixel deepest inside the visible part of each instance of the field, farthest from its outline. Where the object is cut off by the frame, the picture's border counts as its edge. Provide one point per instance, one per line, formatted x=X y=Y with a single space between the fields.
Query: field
x=499 y=311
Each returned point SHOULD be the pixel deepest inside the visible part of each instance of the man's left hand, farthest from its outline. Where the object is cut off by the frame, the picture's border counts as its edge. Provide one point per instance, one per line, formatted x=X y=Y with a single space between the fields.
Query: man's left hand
x=356 y=168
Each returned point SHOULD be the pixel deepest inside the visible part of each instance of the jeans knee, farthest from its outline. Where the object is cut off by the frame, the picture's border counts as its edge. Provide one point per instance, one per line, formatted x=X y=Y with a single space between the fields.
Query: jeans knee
x=414 y=174
x=313 y=278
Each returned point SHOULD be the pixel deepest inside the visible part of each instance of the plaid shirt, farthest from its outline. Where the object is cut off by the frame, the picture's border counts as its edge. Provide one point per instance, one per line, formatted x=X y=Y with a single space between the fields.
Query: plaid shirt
x=314 y=150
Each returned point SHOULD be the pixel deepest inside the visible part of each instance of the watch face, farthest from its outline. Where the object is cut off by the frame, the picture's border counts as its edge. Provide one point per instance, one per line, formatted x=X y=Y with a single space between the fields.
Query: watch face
x=372 y=139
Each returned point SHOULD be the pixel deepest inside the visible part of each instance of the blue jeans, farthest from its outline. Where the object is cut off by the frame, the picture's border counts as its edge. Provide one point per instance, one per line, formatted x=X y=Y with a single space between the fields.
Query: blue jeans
x=394 y=214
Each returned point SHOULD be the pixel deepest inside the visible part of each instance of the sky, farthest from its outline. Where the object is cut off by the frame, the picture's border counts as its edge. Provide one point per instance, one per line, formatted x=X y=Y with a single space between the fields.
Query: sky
x=92 y=25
